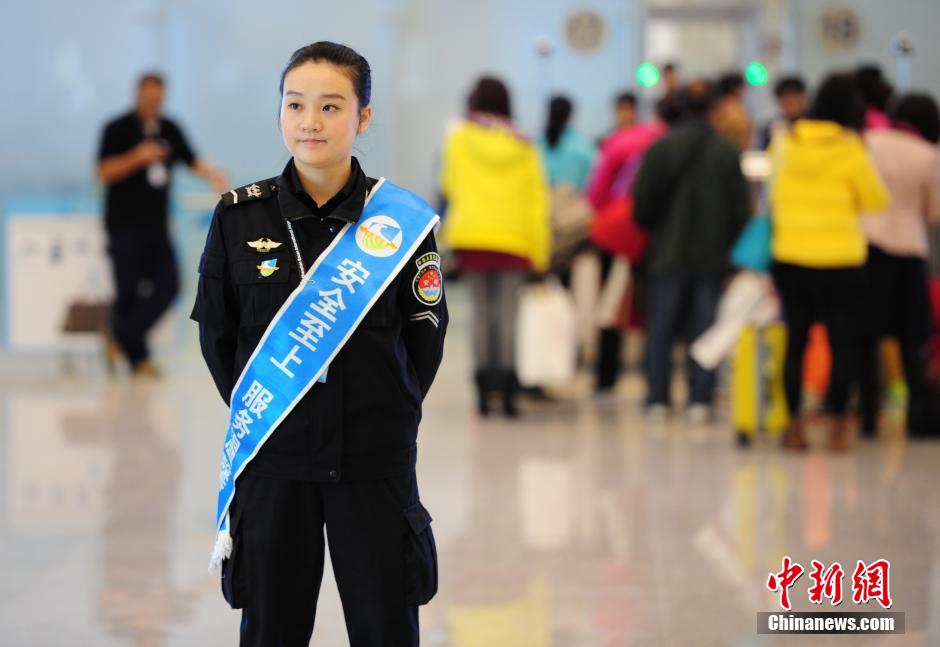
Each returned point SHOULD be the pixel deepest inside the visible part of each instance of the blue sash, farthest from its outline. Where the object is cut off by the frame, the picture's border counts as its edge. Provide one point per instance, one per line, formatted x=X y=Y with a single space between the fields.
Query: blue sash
x=313 y=325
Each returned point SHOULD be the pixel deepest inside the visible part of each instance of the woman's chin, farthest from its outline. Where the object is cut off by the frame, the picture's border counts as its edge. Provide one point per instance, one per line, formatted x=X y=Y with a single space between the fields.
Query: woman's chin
x=312 y=158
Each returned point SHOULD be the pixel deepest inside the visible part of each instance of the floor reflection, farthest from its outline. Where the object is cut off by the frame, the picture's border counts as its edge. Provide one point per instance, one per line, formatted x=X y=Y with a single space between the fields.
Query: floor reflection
x=578 y=525
x=136 y=597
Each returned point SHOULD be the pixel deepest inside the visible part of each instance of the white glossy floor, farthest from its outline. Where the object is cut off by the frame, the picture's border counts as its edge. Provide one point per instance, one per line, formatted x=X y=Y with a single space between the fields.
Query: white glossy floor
x=578 y=525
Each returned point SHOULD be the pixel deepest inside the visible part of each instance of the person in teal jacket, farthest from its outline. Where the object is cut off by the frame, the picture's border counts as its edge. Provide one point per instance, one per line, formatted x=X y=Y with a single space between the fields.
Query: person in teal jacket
x=568 y=154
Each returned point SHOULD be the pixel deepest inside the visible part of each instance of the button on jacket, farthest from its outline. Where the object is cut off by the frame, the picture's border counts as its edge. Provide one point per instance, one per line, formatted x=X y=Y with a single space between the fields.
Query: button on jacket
x=362 y=422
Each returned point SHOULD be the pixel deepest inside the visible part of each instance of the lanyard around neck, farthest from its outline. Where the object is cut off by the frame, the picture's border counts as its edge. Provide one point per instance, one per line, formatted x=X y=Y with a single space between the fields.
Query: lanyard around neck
x=293 y=242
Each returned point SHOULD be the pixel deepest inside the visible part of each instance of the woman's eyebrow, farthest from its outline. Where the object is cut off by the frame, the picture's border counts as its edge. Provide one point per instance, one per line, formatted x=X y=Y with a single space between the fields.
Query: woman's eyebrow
x=329 y=95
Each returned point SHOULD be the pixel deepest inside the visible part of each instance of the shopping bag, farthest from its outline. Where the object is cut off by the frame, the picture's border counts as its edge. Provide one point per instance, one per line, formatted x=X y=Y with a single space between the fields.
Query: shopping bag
x=752 y=249
x=585 y=290
x=571 y=219
x=933 y=345
x=546 y=335
x=614 y=230
x=612 y=294
x=817 y=361
x=87 y=317
x=748 y=294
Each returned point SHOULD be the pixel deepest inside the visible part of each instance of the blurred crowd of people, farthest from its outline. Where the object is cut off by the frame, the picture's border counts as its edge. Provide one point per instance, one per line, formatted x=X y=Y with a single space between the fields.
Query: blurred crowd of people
x=660 y=203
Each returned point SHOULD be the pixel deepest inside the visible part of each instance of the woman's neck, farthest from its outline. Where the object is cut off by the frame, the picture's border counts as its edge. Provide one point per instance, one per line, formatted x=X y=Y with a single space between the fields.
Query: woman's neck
x=322 y=183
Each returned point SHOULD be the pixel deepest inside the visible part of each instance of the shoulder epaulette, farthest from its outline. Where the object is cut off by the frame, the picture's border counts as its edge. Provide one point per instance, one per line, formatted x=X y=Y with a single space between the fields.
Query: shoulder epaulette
x=253 y=191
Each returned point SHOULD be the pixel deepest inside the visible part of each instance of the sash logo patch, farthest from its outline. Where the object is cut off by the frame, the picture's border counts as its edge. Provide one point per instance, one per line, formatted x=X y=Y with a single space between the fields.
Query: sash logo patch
x=427 y=282
x=267 y=268
x=379 y=236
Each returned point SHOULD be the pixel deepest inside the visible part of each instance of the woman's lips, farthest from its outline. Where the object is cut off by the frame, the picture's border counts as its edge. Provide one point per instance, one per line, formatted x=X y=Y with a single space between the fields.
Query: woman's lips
x=312 y=142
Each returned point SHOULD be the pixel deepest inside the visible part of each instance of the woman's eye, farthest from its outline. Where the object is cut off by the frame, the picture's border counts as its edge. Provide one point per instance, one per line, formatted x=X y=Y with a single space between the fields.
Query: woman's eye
x=293 y=106
x=330 y=108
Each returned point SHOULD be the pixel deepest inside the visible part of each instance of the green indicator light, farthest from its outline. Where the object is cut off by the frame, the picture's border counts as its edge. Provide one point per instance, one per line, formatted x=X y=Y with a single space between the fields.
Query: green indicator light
x=647 y=75
x=756 y=73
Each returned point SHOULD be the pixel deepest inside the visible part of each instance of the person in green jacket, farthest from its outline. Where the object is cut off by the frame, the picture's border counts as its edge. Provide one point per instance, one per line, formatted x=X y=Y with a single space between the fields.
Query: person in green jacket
x=691 y=196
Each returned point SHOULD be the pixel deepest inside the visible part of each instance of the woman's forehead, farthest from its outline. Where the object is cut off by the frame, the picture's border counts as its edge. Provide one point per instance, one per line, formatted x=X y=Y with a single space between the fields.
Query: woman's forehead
x=316 y=78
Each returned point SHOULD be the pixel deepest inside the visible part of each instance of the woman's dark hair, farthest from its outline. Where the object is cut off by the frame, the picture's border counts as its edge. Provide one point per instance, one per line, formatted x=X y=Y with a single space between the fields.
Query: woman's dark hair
x=353 y=64
x=490 y=95
x=920 y=112
x=150 y=77
x=875 y=89
x=696 y=99
x=559 y=112
x=789 y=85
x=669 y=110
x=729 y=84
x=626 y=98
x=838 y=99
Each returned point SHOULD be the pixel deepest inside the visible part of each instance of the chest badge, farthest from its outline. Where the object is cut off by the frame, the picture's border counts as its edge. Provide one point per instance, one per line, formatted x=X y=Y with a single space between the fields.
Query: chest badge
x=263 y=245
x=267 y=268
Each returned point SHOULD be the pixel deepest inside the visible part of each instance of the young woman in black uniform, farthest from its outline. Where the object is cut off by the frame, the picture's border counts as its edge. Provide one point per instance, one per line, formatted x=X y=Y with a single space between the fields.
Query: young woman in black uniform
x=344 y=458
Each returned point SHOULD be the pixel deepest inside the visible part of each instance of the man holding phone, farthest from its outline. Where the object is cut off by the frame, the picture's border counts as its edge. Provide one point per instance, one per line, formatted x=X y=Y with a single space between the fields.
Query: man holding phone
x=137 y=152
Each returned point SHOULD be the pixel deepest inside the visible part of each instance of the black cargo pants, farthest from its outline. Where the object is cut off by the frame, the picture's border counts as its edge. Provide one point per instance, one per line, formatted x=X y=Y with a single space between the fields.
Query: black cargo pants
x=381 y=546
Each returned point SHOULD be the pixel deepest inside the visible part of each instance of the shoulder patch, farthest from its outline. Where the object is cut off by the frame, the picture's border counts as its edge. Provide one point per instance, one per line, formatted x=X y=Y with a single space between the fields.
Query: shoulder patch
x=431 y=258
x=426 y=284
x=253 y=191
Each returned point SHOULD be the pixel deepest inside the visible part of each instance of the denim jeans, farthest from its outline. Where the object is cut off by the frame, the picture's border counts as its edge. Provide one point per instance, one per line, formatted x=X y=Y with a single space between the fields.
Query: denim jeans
x=678 y=303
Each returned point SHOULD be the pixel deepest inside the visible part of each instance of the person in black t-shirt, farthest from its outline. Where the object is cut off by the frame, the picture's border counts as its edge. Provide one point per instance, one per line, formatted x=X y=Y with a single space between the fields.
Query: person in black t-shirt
x=137 y=151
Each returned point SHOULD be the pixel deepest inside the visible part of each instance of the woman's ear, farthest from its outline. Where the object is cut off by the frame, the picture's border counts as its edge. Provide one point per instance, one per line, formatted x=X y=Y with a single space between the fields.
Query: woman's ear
x=365 y=118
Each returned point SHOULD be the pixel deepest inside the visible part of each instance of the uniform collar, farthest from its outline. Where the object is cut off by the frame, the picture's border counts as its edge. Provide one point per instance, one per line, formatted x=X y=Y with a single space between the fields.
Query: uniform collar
x=346 y=205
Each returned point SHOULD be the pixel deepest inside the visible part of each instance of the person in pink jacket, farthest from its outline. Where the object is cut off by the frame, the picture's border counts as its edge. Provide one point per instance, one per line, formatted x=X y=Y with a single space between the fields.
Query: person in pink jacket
x=620 y=157
x=617 y=164
x=907 y=158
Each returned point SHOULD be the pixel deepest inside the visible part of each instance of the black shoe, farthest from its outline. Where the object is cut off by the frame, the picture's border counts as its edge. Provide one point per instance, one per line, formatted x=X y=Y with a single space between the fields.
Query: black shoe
x=869 y=425
x=509 y=390
x=484 y=382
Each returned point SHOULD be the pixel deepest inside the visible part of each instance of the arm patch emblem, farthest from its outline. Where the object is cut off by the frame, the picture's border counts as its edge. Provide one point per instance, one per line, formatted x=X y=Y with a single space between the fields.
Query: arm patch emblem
x=428 y=285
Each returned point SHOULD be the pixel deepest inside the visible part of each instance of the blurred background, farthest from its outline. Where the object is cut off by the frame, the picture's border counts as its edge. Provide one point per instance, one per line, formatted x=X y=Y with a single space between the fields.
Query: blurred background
x=579 y=510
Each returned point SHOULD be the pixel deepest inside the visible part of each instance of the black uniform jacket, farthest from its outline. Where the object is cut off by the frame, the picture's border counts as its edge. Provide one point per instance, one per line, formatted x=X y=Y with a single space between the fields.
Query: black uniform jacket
x=362 y=422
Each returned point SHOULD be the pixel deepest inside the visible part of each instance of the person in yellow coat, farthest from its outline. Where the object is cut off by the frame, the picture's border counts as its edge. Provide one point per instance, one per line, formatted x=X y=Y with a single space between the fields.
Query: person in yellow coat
x=497 y=222
x=823 y=181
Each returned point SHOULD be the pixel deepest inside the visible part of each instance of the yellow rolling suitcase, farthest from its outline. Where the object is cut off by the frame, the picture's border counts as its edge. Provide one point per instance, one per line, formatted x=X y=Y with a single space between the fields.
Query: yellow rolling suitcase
x=758 y=401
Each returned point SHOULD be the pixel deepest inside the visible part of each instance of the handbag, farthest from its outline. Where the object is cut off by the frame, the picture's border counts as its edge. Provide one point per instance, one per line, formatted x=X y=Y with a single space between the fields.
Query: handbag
x=614 y=231
x=571 y=218
x=752 y=250
x=546 y=335
x=87 y=317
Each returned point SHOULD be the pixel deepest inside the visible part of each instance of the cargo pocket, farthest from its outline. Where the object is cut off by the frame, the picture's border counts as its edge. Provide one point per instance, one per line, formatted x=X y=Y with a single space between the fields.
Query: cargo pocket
x=233 y=572
x=420 y=557
x=230 y=585
x=262 y=290
x=210 y=288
